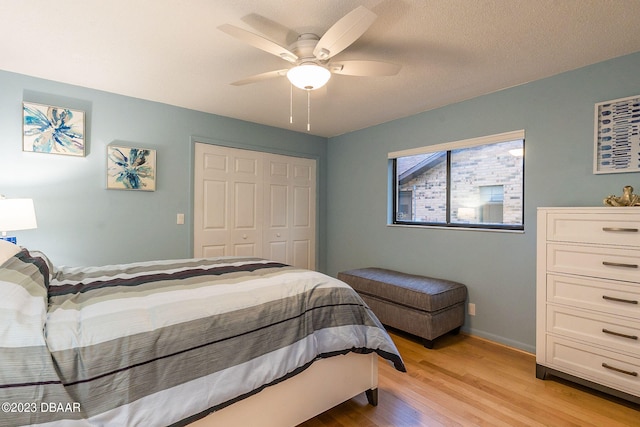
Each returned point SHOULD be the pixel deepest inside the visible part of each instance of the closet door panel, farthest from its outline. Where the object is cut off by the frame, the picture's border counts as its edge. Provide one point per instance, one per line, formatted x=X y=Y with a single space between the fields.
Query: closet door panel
x=278 y=204
x=227 y=202
x=301 y=207
x=277 y=251
x=215 y=205
x=213 y=251
x=303 y=223
x=277 y=222
x=302 y=253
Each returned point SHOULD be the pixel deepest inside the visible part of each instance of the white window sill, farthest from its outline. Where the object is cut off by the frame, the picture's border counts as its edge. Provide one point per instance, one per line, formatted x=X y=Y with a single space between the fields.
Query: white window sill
x=498 y=230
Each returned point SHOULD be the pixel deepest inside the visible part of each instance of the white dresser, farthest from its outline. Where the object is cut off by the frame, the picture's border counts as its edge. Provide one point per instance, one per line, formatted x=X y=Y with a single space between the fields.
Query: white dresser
x=588 y=297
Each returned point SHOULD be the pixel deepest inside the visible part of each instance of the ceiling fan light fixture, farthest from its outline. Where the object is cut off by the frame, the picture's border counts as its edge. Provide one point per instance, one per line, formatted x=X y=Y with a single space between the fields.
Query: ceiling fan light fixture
x=308 y=76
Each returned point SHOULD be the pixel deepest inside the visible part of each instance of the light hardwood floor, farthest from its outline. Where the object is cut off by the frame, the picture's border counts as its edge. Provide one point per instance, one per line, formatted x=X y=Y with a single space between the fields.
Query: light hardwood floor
x=468 y=381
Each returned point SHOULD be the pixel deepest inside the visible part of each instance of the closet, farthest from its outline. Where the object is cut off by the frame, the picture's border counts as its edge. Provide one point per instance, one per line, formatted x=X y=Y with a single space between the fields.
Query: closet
x=251 y=203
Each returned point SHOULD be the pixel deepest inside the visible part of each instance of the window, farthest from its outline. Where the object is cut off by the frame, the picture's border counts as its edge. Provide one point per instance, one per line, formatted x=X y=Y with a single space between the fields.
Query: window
x=477 y=183
x=405 y=204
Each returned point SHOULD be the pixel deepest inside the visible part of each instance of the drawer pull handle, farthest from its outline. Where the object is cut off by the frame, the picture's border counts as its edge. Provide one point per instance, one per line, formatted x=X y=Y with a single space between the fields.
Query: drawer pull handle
x=622 y=371
x=618 y=334
x=628 y=301
x=626 y=230
x=619 y=264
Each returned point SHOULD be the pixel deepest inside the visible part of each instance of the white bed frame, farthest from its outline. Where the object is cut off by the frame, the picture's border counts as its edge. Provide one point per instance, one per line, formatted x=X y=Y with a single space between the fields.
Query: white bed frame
x=325 y=384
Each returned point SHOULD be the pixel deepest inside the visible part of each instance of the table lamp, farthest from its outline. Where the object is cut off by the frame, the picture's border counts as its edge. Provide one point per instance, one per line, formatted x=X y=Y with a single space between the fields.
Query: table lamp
x=16 y=214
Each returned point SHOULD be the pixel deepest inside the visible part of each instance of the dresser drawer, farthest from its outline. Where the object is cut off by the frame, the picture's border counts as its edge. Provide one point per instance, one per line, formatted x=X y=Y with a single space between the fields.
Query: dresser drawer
x=594 y=261
x=605 y=296
x=601 y=366
x=610 y=229
x=616 y=333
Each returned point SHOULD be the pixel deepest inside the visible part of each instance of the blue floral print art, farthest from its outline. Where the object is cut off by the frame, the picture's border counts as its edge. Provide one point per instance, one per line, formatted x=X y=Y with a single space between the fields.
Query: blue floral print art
x=56 y=130
x=131 y=168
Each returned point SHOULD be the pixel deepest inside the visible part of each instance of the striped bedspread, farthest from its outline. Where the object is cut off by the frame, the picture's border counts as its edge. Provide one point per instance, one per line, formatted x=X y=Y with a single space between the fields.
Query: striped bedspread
x=165 y=342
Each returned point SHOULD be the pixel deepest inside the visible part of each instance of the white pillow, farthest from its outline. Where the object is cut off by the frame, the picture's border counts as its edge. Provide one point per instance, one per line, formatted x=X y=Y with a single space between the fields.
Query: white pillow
x=7 y=250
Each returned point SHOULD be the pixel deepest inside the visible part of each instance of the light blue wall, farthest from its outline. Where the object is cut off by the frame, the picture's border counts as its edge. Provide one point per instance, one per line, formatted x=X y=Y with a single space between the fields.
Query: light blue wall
x=82 y=223
x=557 y=115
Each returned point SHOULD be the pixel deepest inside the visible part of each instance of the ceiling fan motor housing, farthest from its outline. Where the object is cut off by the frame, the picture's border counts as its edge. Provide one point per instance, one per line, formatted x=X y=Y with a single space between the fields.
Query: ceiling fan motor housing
x=304 y=46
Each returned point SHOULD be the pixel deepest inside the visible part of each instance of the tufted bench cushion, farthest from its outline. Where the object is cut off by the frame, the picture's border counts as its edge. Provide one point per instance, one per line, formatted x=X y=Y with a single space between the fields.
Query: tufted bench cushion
x=423 y=306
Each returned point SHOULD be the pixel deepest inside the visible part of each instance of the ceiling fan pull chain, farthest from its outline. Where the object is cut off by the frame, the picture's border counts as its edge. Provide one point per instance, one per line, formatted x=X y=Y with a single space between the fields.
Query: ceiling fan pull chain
x=308 y=110
x=291 y=105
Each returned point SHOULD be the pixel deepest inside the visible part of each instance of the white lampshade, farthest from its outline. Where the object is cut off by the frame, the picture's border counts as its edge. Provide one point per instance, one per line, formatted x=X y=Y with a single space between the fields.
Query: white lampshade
x=17 y=214
x=308 y=76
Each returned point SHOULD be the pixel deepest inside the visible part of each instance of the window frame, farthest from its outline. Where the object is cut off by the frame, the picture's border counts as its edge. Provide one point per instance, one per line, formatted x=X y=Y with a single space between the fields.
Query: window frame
x=448 y=148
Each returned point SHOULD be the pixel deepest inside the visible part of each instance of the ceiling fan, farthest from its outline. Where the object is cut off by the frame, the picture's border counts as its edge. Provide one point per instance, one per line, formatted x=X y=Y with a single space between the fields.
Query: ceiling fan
x=311 y=54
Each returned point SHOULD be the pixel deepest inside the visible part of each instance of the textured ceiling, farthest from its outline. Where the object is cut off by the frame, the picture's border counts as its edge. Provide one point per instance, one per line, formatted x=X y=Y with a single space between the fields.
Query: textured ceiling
x=171 y=51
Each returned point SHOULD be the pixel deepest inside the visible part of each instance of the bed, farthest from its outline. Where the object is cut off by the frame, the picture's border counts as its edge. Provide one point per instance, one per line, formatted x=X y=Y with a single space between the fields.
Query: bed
x=218 y=341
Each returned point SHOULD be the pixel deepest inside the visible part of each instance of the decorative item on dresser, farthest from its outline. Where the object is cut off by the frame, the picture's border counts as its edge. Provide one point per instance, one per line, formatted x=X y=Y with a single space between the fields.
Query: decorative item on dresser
x=588 y=294
x=627 y=198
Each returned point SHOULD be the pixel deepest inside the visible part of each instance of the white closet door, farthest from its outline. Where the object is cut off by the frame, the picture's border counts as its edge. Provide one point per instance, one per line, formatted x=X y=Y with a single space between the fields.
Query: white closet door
x=227 y=202
x=290 y=206
x=254 y=203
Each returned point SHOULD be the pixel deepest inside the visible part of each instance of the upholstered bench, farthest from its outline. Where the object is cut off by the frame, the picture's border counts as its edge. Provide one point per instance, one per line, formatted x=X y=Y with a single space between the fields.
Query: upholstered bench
x=419 y=305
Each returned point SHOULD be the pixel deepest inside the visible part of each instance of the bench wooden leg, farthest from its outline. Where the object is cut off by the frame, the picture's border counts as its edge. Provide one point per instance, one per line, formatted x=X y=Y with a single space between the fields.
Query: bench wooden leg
x=429 y=343
x=372 y=396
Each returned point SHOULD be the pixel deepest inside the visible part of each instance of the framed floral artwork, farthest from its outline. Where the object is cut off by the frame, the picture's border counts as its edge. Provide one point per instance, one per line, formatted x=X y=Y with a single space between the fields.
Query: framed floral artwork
x=54 y=130
x=131 y=168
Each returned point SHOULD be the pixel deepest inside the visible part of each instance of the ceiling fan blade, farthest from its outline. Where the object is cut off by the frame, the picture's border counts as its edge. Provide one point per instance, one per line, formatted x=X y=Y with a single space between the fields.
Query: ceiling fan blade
x=259 y=42
x=344 y=32
x=270 y=29
x=261 y=77
x=364 y=68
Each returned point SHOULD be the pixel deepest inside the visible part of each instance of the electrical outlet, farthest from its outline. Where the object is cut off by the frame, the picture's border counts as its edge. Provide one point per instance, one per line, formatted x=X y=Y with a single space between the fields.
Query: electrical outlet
x=180 y=219
x=472 y=309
